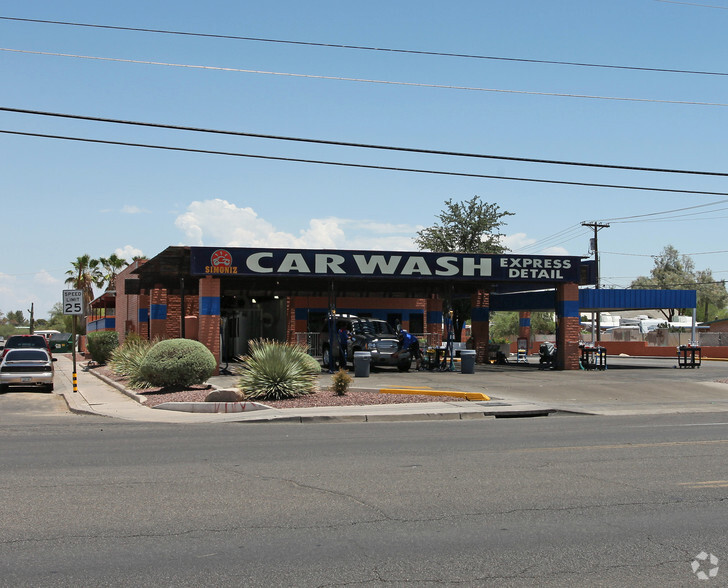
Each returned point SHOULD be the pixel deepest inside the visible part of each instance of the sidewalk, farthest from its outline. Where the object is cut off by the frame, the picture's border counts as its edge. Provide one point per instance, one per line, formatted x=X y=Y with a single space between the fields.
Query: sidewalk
x=629 y=386
x=99 y=397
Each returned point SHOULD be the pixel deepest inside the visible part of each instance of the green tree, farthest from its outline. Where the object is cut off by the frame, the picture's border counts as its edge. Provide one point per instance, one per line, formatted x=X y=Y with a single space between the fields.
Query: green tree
x=504 y=325
x=86 y=274
x=63 y=322
x=111 y=265
x=673 y=271
x=712 y=295
x=472 y=226
x=465 y=227
x=17 y=318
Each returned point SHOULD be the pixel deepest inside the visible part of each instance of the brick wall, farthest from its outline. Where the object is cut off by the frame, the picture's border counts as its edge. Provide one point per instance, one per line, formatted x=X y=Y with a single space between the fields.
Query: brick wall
x=209 y=321
x=480 y=324
x=569 y=329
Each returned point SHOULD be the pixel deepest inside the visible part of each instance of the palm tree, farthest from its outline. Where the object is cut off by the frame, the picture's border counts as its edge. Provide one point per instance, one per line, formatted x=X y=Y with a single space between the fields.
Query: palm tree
x=86 y=274
x=111 y=266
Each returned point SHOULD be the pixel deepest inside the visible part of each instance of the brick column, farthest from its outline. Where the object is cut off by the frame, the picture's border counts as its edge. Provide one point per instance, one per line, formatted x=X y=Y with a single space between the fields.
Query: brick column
x=143 y=316
x=209 y=322
x=174 y=316
x=480 y=324
x=433 y=321
x=158 y=313
x=296 y=319
x=568 y=327
x=524 y=325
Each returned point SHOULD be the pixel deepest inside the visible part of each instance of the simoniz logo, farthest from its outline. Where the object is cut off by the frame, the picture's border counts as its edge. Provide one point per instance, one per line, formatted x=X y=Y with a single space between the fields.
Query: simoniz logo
x=221 y=262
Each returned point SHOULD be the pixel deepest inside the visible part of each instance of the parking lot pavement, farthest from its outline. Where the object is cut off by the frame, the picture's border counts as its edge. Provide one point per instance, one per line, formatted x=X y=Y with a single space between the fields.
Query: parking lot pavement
x=627 y=386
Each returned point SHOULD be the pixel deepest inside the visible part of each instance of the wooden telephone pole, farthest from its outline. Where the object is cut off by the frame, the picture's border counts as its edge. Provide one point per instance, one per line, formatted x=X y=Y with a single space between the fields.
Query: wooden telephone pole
x=595 y=247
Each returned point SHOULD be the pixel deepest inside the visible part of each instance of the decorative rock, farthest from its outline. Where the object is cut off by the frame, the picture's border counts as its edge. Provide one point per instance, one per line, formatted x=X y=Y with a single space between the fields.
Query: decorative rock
x=225 y=395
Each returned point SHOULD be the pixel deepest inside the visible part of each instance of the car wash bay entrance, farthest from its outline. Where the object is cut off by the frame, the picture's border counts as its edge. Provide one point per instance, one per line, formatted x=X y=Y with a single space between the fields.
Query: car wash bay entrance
x=225 y=297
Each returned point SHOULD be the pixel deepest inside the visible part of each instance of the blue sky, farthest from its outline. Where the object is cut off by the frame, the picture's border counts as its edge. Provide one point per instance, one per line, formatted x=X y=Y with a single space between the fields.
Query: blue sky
x=62 y=199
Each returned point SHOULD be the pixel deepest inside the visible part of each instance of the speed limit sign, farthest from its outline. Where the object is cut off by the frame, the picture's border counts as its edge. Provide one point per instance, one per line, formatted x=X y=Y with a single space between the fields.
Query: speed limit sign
x=73 y=302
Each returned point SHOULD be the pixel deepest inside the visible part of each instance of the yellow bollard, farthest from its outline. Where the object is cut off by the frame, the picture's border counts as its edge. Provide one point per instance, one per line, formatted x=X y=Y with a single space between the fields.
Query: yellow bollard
x=75 y=382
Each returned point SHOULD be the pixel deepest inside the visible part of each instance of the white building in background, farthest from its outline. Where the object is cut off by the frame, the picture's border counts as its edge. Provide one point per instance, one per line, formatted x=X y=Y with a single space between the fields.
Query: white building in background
x=645 y=323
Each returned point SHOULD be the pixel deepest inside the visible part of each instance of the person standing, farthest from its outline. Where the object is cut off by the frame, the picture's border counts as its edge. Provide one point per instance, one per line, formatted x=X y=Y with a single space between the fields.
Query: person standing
x=343 y=336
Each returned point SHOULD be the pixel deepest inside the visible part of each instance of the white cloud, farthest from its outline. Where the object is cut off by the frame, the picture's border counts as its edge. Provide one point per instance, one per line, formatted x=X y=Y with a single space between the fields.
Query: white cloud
x=218 y=222
x=517 y=241
x=128 y=252
x=555 y=251
x=7 y=283
x=45 y=279
x=131 y=209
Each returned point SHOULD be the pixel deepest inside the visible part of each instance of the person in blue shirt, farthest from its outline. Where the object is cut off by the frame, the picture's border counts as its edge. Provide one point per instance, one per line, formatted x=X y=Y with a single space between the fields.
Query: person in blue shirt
x=408 y=342
x=343 y=336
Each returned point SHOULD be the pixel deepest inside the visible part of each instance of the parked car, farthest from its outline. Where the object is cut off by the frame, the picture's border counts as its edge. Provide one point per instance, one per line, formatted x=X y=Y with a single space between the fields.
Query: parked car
x=27 y=367
x=26 y=342
x=367 y=334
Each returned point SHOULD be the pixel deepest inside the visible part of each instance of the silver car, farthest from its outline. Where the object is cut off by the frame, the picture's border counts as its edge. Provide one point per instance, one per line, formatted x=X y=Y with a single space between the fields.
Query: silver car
x=27 y=367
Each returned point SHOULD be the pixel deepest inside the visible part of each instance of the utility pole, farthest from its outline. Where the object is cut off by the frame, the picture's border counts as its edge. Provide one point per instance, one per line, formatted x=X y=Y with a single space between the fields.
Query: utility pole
x=32 y=318
x=595 y=247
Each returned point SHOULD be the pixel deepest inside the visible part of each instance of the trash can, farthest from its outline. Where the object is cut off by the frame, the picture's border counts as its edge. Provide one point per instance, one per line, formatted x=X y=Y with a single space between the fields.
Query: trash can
x=467 y=361
x=362 y=363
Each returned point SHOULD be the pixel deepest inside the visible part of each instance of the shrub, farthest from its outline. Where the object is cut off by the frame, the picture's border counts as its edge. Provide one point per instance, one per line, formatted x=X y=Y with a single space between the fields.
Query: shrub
x=177 y=363
x=127 y=359
x=340 y=382
x=275 y=370
x=100 y=344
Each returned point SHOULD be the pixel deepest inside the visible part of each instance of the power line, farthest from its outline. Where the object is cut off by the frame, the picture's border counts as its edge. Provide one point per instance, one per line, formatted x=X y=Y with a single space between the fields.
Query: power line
x=369 y=48
x=361 y=165
x=368 y=80
x=368 y=145
x=624 y=218
x=658 y=255
x=565 y=235
x=694 y=4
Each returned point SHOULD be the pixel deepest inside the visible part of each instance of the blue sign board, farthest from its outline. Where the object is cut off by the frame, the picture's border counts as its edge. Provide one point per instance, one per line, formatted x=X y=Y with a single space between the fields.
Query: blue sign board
x=238 y=261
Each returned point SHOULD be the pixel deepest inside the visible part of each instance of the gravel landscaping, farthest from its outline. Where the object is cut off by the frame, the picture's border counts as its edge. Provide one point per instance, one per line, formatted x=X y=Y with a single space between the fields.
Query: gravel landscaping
x=322 y=397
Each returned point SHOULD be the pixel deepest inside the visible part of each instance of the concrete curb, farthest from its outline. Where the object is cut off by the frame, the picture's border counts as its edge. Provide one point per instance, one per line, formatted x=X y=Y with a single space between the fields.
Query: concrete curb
x=133 y=395
x=212 y=407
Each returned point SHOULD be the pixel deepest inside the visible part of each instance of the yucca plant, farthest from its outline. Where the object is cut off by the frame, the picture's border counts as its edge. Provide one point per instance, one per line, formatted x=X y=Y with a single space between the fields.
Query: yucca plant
x=126 y=360
x=275 y=371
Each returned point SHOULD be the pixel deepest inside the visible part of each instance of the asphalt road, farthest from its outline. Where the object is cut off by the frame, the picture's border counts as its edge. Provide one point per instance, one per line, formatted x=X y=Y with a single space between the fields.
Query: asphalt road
x=556 y=501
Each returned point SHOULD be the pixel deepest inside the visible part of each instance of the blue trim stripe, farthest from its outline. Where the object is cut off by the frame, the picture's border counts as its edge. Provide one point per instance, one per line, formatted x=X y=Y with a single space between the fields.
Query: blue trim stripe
x=209 y=306
x=568 y=308
x=524 y=322
x=434 y=317
x=480 y=315
x=143 y=315
x=158 y=311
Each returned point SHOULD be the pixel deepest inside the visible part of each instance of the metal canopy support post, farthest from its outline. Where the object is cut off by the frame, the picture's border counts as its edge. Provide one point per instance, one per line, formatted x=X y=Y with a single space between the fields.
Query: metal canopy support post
x=182 y=304
x=332 y=326
x=693 y=336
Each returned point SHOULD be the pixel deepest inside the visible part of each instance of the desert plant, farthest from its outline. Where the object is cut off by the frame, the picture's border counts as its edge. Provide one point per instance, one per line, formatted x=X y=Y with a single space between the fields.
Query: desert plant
x=100 y=344
x=126 y=360
x=340 y=382
x=177 y=363
x=275 y=370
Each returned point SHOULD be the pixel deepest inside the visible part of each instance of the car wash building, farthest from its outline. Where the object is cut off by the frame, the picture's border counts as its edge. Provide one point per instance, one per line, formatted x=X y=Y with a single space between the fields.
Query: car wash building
x=227 y=296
